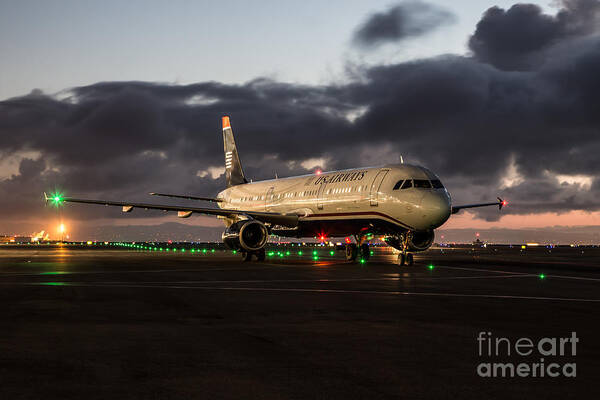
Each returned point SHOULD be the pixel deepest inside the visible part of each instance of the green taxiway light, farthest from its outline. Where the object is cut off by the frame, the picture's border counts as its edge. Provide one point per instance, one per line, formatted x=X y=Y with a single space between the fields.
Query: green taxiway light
x=372 y=252
x=235 y=252
x=212 y=251
x=542 y=276
x=314 y=252
x=362 y=261
x=332 y=252
x=300 y=253
x=204 y=250
x=315 y=258
x=182 y=249
x=287 y=253
x=431 y=266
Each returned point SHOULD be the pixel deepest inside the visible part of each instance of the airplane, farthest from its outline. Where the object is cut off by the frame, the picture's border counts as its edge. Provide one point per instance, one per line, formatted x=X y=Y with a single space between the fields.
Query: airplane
x=403 y=203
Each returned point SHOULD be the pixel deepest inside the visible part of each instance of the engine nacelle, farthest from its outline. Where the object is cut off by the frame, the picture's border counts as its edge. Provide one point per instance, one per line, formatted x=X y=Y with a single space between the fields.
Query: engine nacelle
x=247 y=235
x=420 y=240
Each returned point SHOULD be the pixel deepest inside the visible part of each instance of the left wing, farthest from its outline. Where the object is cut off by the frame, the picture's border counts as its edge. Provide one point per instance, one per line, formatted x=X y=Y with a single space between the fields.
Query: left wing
x=500 y=203
x=289 y=220
x=186 y=197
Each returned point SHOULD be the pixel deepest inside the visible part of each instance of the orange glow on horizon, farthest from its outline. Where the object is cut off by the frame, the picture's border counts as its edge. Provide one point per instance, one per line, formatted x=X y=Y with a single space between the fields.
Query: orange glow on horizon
x=466 y=220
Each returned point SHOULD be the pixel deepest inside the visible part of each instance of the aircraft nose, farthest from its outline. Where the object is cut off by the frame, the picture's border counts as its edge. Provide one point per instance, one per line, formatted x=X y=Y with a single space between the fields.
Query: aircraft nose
x=436 y=208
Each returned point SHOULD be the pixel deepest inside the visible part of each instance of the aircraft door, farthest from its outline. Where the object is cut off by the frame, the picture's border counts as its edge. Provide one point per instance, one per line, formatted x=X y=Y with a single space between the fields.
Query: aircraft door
x=320 y=195
x=269 y=199
x=375 y=186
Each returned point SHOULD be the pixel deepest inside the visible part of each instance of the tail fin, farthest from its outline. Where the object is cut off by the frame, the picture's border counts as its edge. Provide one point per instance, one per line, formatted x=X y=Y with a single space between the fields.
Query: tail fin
x=233 y=167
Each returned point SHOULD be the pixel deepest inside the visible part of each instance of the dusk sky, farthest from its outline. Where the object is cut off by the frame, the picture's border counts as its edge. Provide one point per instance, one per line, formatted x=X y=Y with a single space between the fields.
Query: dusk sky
x=116 y=99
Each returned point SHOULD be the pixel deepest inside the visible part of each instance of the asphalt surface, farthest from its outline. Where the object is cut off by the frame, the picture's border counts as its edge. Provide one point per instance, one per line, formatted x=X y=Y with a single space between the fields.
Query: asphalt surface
x=126 y=323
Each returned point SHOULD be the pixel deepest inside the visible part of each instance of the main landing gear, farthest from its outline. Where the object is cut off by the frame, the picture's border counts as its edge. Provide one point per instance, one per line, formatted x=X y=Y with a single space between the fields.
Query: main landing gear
x=353 y=252
x=405 y=258
x=260 y=255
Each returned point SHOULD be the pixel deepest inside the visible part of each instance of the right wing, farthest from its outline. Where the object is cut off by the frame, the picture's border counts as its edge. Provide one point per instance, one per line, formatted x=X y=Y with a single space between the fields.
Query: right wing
x=186 y=197
x=289 y=220
x=500 y=203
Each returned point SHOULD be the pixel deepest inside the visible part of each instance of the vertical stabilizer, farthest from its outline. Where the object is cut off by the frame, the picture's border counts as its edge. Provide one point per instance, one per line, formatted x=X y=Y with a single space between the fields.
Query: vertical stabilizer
x=234 y=174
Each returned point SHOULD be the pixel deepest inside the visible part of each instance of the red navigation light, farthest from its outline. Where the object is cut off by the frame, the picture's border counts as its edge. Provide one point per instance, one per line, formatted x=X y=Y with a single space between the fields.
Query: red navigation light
x=477 y=234
x=318 y=172
x=347 y=240
x=504 y=202
x=322 y=238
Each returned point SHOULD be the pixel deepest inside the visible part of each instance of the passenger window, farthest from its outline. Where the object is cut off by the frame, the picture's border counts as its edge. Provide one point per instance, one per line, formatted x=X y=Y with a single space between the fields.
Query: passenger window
x=407 y=184
x=437 y=184
x=422 y=183
x=398 y=184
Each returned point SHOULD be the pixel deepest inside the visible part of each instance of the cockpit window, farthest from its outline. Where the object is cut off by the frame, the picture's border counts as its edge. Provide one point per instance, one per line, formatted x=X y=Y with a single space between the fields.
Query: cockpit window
x=398 y=184
x=422 y=183
x=437 y=184
x=407 y=184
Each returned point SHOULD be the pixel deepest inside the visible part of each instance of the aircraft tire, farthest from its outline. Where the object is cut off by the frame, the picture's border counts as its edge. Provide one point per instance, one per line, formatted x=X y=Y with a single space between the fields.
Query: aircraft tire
x=410 y=259
x=365 y=251
x=351 y=252
x=401 y=259
x=247 y=256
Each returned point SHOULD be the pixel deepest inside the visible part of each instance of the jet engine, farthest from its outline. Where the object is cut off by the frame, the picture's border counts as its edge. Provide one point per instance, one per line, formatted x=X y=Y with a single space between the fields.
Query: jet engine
x=247 y=235
x=419 y=240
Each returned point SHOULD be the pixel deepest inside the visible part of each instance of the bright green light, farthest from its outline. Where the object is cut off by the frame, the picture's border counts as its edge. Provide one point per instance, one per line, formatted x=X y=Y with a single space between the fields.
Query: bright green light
x=314 y=252
x=235 y=252
x=430 y=266
x=542 y=276
x=372 y=252
x=315 y=258
x=300 y=253
x=182 y=249
x=362 y=261
x=212 y=251
x=287 y=253
x=331 y=252
x=204 y=250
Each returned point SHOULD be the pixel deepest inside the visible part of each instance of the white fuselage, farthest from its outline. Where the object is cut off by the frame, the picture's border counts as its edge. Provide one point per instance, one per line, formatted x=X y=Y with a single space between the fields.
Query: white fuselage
x=339 y=202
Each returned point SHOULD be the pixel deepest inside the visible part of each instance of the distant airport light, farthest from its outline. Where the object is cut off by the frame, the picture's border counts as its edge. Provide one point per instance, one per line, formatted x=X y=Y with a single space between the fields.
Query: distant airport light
x=431 y=266
x=318 y=172
x=542 y=276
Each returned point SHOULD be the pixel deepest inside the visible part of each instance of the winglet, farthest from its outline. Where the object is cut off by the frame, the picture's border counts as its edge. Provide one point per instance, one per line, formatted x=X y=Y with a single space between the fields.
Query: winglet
x=226 y=123
x=501 y=203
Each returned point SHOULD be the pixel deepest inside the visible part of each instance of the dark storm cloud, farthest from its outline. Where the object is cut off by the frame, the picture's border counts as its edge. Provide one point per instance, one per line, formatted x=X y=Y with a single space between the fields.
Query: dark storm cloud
x=405 y=20
x=516 y=39
x=474 y=124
